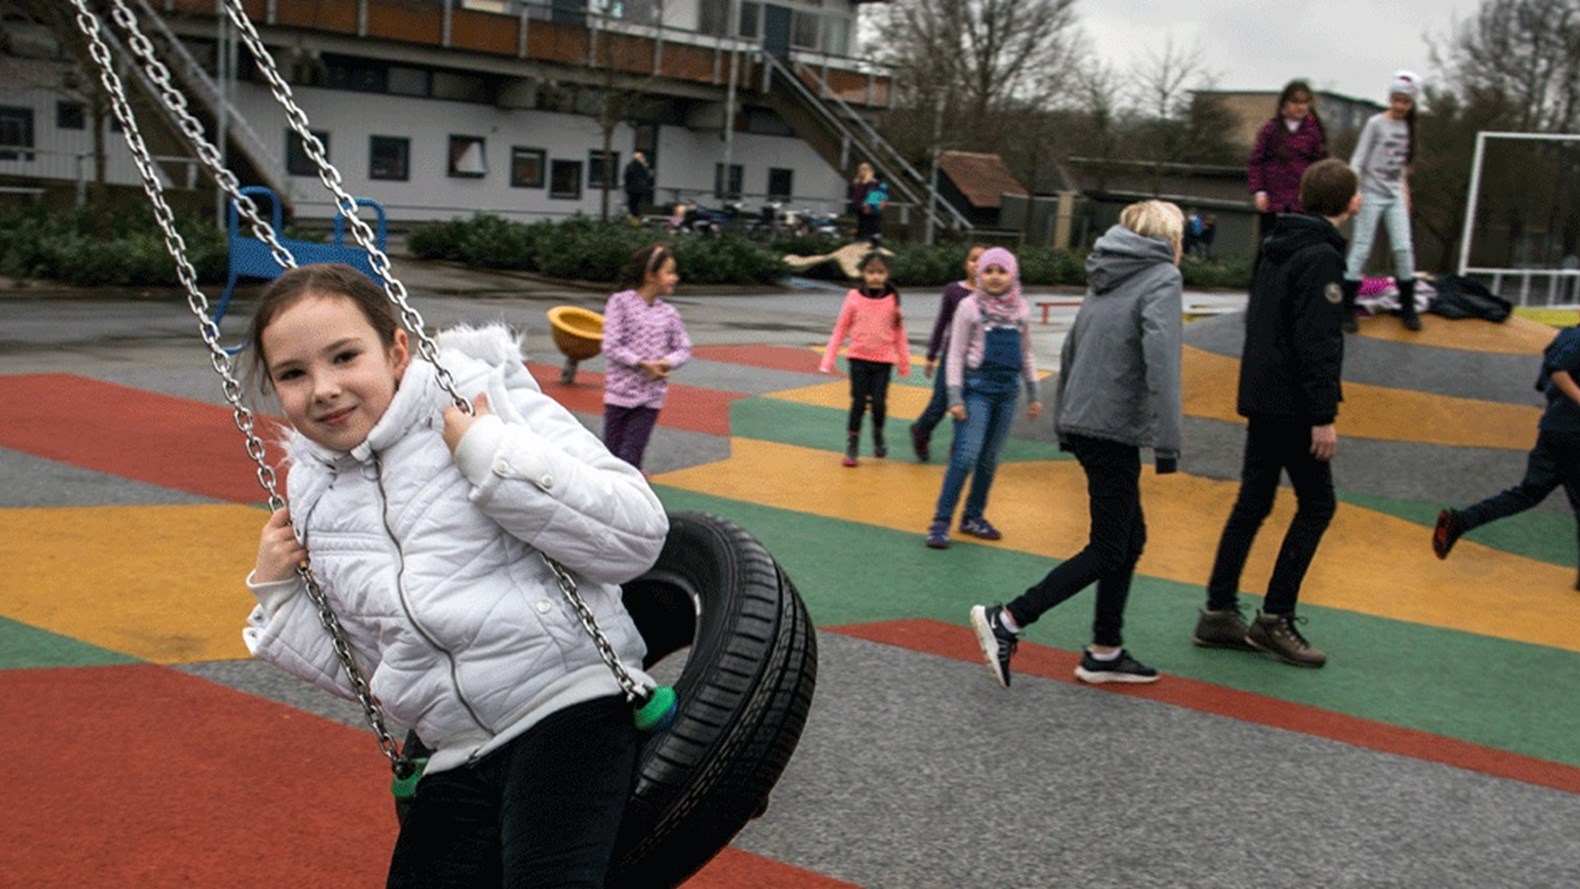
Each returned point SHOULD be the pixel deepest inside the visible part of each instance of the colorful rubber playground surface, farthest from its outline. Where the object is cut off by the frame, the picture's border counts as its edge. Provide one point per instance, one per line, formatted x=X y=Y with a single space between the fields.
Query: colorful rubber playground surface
x=1439 y=747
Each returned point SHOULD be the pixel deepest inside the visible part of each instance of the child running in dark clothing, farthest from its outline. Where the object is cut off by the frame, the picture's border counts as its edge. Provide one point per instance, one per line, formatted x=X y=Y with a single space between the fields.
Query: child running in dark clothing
x=1554 y=461
x=937 y=350
x=871 y=319
x=1289 y=394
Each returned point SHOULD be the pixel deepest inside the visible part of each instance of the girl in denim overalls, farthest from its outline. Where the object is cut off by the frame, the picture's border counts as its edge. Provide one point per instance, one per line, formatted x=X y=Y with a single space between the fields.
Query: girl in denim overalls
x=989 y=362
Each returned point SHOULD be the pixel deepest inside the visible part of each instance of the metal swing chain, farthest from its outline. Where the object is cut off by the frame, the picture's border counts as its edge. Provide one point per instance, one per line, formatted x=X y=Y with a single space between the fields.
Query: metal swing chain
x=192 y=128
x=410 y=318
x=88 y=23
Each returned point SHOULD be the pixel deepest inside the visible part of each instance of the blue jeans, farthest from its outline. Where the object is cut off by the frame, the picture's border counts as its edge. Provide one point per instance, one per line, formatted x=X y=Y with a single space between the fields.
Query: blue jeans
x=937 y=406
x=989 y=412
x=1393 y=213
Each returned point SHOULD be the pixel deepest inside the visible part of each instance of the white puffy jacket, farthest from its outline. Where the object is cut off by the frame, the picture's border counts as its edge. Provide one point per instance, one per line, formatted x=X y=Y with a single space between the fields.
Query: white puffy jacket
x=432 y=562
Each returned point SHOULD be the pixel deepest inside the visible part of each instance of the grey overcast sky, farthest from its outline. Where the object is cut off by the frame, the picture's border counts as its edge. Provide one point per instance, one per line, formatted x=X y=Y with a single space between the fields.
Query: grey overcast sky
x=1346 y=46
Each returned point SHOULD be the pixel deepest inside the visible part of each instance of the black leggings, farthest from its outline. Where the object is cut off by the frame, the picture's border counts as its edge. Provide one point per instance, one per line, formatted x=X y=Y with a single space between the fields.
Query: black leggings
x=1117 y=536
x=544 y=810
x=869 y=382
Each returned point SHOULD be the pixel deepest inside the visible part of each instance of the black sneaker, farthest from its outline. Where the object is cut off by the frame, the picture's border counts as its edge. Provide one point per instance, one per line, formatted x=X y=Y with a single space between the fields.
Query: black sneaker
x=1449 y=528
x=1121 y=669
x=997 y=643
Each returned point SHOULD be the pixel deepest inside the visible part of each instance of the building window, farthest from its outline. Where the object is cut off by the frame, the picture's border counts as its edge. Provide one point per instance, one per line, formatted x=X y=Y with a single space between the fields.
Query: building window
x=780 y=182
x=803 y=34
x=713 y=17
x=388 y=158
x=734 y=189
x=297 y=161
x=357 y=75
x=526 y=167
x=751 y=21
x=603 y=169
x=409 y=82
x=16 y=131
x=71 y=116
x=565 y=180
x=836 y=36
x=467 y=160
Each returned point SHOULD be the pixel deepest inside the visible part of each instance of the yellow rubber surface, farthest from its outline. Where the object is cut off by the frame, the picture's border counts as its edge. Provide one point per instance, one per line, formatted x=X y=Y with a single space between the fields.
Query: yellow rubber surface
x=160 y=583
x=1516 y=336
x=1376 y=412
x=1370 y=562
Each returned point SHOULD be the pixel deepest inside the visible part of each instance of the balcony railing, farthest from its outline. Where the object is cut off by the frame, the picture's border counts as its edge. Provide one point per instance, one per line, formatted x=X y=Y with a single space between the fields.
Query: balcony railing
x=531 y=33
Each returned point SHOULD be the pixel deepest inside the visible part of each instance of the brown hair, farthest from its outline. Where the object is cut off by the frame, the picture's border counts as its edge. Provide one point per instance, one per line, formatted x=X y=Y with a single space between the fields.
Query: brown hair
x=643 y=262
x=1281 y=134
x=329 y=279
x=1327 y=187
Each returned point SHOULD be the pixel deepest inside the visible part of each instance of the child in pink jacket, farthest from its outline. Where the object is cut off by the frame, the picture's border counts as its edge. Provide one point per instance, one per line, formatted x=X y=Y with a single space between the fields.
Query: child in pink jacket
x=871 y=319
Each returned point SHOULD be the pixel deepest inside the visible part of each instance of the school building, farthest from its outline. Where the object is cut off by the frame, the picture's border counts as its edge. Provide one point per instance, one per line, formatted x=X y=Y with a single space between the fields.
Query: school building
x=443 y=108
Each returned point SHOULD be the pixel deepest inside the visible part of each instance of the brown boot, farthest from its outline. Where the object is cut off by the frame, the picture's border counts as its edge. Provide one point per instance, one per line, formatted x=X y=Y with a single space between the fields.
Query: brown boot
x=1221 y=629
x=1277 y=635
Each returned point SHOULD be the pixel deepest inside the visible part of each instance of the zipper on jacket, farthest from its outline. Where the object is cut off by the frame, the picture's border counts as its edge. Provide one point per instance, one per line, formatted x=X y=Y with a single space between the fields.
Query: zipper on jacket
x=400 y=591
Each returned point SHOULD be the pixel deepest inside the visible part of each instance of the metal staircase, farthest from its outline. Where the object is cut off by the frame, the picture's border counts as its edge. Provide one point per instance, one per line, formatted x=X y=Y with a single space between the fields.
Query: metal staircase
x=841 y=136
x=245 y=152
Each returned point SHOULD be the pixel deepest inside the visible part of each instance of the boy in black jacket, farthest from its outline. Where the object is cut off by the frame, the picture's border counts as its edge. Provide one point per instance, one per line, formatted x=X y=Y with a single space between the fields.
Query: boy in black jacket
x=1289 y=394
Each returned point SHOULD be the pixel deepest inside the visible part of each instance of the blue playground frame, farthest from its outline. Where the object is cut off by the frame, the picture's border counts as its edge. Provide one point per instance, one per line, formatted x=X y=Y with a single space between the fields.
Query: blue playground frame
x=250 y=257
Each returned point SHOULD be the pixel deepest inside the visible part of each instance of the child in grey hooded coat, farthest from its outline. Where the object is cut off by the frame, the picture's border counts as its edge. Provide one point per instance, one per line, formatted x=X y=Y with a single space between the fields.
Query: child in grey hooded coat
x=1118 y=392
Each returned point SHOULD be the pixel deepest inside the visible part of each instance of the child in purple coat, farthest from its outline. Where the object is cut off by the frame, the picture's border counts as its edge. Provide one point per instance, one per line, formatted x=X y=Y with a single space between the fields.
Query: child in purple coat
x=643 y=340
x=1291 y=141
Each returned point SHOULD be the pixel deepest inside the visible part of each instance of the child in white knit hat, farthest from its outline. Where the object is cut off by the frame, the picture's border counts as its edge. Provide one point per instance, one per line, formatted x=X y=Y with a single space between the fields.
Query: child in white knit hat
x=1382 y=159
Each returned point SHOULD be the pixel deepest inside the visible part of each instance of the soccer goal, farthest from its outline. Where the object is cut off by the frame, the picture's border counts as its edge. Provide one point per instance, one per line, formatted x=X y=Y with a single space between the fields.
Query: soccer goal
x=1522 y=224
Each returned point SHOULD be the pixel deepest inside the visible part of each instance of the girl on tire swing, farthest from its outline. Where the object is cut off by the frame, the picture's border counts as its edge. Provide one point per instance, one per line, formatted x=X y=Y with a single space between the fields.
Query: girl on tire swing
x=426 y=525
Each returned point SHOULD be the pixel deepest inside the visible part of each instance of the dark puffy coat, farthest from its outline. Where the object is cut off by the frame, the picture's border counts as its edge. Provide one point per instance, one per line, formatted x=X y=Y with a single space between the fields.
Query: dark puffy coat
x=1279 y=158
x=1294 y=345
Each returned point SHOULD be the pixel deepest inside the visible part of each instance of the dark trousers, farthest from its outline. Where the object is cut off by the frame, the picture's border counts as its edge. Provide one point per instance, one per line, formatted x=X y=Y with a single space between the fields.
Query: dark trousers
x=1273 y=447
x=1553 y=462
x=626 y=431
x=544 y=810
x=633 y=203
x=1113 y=546
x=869 y=384
x=937 y=406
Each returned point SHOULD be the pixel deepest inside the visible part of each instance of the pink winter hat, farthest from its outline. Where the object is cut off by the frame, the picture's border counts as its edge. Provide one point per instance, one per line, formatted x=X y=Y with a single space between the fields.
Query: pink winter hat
x=1003 y=259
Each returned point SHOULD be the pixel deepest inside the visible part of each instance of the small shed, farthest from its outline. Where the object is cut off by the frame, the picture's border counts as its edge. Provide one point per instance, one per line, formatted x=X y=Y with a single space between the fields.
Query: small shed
x=975 y=183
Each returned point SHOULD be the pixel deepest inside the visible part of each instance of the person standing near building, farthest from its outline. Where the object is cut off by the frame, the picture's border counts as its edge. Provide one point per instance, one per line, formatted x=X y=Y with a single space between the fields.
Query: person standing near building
x=638 y=182
x=1289 y=394
x=1119 y=391
x=1382 y=158
x=1292 y=140
x=868 y=212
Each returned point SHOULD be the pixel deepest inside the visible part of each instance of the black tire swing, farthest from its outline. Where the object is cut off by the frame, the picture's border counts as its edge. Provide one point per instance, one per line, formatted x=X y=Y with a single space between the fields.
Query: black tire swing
x=744 y=692
x=743 y=696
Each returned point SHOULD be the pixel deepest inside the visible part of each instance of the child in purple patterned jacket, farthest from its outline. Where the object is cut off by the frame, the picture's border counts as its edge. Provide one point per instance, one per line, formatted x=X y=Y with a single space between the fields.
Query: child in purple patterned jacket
x=643 y=341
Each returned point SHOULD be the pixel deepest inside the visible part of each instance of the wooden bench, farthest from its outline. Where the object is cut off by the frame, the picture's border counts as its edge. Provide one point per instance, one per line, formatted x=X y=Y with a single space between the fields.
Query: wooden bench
x=1047 y=304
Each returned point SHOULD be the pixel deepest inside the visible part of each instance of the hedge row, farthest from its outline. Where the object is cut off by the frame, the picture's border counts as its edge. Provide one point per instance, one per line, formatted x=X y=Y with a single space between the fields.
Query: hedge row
x=592 y=251
x=97 y=248
x=117 y=247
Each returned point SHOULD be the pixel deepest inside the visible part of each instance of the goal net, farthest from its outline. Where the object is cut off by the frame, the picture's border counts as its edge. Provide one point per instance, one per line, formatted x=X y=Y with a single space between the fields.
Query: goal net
x=1522 y=220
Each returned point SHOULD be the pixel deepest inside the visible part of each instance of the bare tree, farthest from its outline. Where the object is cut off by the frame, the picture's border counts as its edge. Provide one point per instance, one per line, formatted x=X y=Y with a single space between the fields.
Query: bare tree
x=1162 y=79
x=978 y=54
x=1527 y=52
